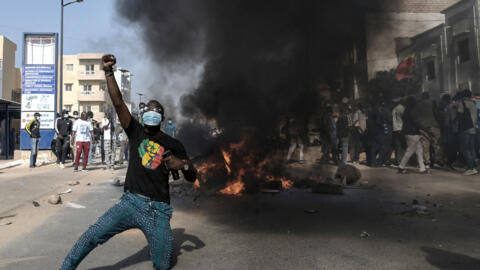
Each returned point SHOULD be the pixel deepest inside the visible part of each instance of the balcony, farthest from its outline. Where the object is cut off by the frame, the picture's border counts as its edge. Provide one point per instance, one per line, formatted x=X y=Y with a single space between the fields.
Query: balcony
x=91 y=95
x=96 y=75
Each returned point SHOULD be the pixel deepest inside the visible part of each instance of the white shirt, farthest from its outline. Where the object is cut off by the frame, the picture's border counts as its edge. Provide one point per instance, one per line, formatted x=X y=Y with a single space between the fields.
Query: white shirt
x=107 y=133
x=82 y=129
x=397 y=114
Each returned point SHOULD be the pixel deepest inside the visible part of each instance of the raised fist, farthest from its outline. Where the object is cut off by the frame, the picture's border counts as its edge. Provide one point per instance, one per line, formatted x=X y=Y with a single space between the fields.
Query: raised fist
x=108 y=62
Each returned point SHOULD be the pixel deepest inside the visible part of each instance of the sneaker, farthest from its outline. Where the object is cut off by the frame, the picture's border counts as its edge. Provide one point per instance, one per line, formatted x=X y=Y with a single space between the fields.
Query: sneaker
x=470 y=172
x=62 y=165
x=424 y=172
x=402 y=171
x=84 y=170
x=75 y=169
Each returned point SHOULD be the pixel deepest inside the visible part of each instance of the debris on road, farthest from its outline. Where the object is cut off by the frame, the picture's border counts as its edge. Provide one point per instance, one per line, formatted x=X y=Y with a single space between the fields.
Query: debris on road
x=119 y=181
x=65 y=192
x=54 y=199
x=73 y=183
x=9 y=216
x=364 y=234
x=414 y=202
x=348 y=174
x=89 y=184
x=75 y=205
x=327 y=188
x=310 y=211
x=273 y=185
x=270 y=191
x=36 y=204
x=421 y=209
x=6 y=223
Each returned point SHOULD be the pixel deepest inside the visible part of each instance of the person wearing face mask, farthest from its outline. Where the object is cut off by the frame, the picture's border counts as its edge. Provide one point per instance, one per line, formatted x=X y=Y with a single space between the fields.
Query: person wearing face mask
x=171 y=128
x=33 y=129
x=145 y=203
x=63 y=129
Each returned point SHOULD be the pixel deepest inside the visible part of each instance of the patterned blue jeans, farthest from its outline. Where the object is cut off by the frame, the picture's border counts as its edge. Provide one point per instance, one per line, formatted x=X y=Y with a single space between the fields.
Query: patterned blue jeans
x=132 y=211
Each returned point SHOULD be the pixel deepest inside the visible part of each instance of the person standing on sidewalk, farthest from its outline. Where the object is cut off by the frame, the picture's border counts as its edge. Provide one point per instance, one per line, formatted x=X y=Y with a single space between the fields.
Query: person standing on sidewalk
x=82 y=136
x=145 y=203
x=467 y=118
x=170 y=128
x=344 y=126
x=33 y=129
x=108 y=141
x=63 y=129
x=123 y=139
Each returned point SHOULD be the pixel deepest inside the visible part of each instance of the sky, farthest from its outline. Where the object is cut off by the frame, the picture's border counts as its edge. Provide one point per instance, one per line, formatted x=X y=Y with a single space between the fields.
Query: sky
x=91 y=27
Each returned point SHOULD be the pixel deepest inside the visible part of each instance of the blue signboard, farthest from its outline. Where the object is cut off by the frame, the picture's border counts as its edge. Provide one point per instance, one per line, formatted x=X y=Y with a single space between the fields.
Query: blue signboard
x=38 y=79
x=39 y=86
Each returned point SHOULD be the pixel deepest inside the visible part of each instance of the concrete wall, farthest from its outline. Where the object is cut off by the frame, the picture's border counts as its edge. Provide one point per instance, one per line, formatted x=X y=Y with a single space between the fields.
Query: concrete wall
x=383 y=28
x=10 y=73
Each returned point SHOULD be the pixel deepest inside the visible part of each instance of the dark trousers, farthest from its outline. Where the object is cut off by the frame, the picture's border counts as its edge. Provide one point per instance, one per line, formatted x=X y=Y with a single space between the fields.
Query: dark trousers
x=451 y=147
x=330 y=146
x=376 y=144
x=357 y=144
x=102 y=149
x=61 y=148
x=467 y=148
x=85 y=148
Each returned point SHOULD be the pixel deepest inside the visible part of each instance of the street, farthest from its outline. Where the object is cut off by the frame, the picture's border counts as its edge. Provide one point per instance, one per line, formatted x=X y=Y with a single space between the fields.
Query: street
x=295 y=229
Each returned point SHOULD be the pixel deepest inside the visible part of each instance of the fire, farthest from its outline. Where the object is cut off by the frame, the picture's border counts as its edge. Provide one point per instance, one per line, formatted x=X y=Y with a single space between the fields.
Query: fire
x=240 y=163
x=228 y=160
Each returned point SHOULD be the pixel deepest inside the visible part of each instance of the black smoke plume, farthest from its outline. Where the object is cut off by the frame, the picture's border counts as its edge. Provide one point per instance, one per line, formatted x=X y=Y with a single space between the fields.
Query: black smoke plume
x=263 y=59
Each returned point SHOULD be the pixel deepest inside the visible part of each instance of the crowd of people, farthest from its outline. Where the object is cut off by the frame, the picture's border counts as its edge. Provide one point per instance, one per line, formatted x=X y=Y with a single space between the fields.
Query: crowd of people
x=442 y=134
x=82 y=137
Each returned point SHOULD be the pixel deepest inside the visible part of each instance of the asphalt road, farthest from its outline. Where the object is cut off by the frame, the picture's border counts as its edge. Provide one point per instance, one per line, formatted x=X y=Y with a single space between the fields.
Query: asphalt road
x=262 y=231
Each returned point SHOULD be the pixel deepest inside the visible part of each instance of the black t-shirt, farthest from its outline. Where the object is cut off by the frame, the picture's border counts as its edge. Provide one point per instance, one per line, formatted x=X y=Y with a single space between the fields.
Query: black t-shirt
x=146 y=173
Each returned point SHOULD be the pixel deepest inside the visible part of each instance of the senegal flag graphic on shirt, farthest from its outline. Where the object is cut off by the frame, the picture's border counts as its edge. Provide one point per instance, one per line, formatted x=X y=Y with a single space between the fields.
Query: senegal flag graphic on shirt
x=151 y=154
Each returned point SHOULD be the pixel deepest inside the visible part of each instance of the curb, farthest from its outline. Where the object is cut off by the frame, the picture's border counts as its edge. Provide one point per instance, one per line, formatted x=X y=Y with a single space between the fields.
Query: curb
x=11 y=164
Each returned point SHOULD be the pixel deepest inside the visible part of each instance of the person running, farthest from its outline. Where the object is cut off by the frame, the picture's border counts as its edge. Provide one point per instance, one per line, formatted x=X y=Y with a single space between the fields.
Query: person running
x=145 y=203
x=413 y=137
x=82 y=136
x=63 y=129
x=33 y=129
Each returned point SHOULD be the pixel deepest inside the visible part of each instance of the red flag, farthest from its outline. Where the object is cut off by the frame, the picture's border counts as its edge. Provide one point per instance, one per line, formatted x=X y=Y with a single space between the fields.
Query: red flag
x=404 y=69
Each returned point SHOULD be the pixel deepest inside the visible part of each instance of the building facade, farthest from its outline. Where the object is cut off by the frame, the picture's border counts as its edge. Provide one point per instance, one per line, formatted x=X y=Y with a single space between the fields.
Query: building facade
x=10 y=98
x=84 y=85
x=10 y=76
x=447 y=56
x=398 y=19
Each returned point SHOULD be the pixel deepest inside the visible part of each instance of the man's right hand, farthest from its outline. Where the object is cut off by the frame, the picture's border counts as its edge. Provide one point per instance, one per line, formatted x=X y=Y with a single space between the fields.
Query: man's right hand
x=60 y=136
x=108 y=61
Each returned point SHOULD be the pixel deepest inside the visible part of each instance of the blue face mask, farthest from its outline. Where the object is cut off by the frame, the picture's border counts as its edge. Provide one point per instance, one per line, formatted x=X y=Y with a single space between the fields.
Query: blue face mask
x=152 y=118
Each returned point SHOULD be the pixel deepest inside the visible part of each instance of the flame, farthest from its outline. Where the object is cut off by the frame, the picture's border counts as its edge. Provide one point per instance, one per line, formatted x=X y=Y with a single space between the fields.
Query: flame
x=246 y=164
x=228 y=159
x=196 y=184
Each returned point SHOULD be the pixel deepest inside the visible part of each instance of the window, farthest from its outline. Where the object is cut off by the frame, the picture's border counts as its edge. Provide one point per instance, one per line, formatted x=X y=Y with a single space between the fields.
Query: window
x=89 y=69
x=463 y=50
x=86 y=108
x=103 y=86
x=69 y=67
x=87 y=88
x=101 y=108
x=431 y=71
x=68 y=87
x=68 y=107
